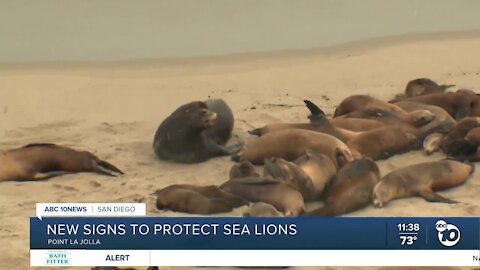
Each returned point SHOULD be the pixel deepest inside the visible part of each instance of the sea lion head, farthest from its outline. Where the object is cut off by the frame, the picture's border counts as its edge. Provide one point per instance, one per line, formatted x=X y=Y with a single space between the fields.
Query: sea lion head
x=473 y=136
x=197 y=115
x=421 y=117
x=243 y=169
x=432 y=143
x=281 y=169
x=382 y=193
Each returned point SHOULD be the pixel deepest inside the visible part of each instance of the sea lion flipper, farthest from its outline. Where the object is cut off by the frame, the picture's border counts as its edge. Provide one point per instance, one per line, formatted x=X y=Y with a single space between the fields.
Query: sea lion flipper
x=255 y=132
x=431 y=196
x=313 y=108
x=236 y=148
x=104 y=167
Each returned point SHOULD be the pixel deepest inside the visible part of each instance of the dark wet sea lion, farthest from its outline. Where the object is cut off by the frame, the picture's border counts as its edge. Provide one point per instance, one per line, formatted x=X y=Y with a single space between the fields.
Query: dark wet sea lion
x=351 y=190
x=466 y=148
x=43 y=161
x=422 y=86
x=309 y=174
x=290 y=144
x=243 y=169
x=222 y=129
x=191 y=133
x=280 y=194
x=362 y=102
x=422 y=179
x=453 y=141
x=197 y=199
x=458 y=104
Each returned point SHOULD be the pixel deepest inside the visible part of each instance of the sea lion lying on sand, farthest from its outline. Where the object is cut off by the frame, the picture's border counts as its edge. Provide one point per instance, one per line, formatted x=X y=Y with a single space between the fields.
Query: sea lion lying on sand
x=309 y=174
x=43 y=161
x=422 y=179
x=194 y=199
x=290 y=144
x=423 y=86
x=351 y=190
x=454 y=141
x=362 y=102
x=281 y=195
x=195 y=133
x=242 y=170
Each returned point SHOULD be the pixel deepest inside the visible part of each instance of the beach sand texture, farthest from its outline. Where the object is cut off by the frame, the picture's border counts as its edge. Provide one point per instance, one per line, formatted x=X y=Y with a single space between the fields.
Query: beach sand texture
x=113 y=109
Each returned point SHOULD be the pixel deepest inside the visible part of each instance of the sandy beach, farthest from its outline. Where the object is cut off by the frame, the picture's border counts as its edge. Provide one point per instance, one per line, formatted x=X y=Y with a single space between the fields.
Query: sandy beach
x=113 y=109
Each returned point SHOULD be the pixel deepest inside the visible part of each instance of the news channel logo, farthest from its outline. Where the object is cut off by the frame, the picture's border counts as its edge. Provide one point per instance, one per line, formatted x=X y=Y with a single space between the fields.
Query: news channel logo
x=448 y=234
x=57 y=258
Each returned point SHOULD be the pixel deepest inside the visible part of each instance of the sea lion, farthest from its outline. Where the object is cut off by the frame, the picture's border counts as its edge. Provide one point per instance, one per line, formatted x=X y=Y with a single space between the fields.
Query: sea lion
x=361 y=102
x=351 y=190
x=453 y=141
x=442 y=117
x=290 y=144
x=261 y=209
x=422 y=86
x=43 y=161
x=458 y=104
x=194 y=199
x=194 y=133
x=281 y=195
x=468 y=148
x=309 y=174
x=432 y=142
x=422 y=179
x=242 y=170
x=415 y=118
x=385 y=142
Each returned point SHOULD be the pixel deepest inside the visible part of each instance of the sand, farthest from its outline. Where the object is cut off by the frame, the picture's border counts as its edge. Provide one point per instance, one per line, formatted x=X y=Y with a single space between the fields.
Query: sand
x=113 y=110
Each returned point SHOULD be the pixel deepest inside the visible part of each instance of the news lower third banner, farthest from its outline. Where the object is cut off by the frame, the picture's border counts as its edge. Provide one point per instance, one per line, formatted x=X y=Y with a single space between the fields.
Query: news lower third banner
x=220 y=241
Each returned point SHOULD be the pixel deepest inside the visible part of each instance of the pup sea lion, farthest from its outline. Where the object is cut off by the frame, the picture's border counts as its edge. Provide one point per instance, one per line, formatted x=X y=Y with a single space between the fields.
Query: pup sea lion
x=422 y=179
x=290 y=144
x=351 y=190
x=280 y=194
x=242 y=170
x=261 y=209
x=361 y=102
x=194 y=133
x=458 y=104
x=309 y=174
x=422 y=86
x=194 y=199
x=44 y=161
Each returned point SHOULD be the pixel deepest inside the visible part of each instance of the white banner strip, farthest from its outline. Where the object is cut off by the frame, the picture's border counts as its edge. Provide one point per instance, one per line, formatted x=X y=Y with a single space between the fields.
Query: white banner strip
x=254 y=258
x=90 y=209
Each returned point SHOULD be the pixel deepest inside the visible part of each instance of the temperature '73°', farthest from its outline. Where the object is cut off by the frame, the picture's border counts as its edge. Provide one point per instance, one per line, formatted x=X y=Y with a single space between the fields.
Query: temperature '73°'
x=408 y=239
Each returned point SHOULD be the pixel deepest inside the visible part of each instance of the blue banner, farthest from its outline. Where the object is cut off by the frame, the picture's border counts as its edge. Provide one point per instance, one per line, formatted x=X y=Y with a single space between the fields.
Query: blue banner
x=207 y=233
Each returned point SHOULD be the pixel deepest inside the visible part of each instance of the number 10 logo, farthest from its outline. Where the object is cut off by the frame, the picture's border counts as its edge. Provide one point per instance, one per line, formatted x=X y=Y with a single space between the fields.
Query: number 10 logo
x=448 y=234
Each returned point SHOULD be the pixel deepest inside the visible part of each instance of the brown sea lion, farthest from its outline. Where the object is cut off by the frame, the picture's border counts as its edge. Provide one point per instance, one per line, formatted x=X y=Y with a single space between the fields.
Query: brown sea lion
x=195 y=132
x=432 y=143
x=416 y=118
x=422 y=86
x=261 y=209
x=422 y=179
x=280 y=194
x=243 y=169
x=468 y=148
x=351 y=190
x=473 y=136
x=362 y=102
x=309 y=174
x=194 y=199
x=453 y=141
x=290 y=144
x=385 y=142
x=43 y=161
x=442 y=117
x=458 y=104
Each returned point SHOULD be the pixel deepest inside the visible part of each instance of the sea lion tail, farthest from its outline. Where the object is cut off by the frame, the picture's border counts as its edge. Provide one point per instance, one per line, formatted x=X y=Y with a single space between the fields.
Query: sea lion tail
x=256 y=132
x=104 y=167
